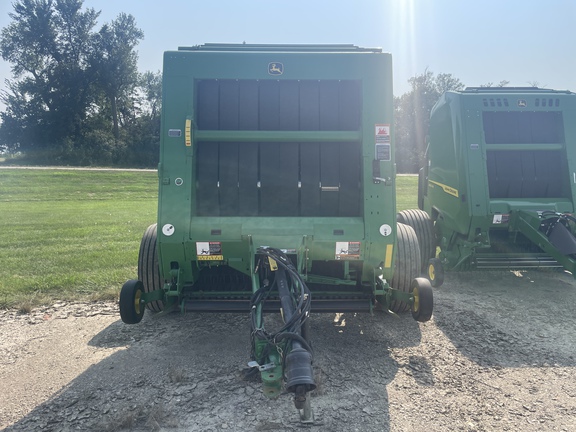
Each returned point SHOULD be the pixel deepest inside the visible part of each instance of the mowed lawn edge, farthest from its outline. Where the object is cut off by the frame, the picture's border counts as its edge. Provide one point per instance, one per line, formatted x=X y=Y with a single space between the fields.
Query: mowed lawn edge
x=74 y=235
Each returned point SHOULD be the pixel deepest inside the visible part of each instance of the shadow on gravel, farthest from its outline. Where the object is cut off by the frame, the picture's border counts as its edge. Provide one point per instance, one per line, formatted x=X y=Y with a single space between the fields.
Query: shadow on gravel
x=187 y=372
x=509 y=318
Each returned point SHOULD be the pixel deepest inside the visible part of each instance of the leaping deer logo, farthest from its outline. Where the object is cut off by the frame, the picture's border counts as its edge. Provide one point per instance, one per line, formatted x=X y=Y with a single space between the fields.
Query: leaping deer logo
x=275 y=68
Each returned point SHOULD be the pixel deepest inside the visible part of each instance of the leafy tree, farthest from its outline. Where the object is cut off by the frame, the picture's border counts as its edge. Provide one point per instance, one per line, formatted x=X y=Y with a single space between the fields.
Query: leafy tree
x=48 y=43
x=536 y=84
x=502 y=83
x=115 y=60
x=20 y=121
x=73 y=89
x=412 y=120
x=151 y=86
x=145 y=145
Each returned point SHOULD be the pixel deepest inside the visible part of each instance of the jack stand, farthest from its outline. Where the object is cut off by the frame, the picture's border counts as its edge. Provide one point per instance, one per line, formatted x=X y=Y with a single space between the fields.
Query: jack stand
x=303 y=405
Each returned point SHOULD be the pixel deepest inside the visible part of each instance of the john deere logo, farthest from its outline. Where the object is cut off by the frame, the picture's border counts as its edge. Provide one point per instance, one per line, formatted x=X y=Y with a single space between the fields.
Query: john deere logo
x=522 y=103
x=275 y=68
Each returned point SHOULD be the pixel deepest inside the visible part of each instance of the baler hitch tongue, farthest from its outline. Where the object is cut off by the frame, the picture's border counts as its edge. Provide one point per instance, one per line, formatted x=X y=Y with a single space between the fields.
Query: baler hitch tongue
x=286 y=352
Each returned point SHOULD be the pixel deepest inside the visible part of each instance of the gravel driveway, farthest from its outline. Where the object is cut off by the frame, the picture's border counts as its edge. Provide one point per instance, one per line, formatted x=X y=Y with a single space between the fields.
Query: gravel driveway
x=498 y=354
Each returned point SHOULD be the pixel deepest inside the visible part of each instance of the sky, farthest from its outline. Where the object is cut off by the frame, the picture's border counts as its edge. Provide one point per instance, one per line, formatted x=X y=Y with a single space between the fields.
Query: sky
x=524 y=42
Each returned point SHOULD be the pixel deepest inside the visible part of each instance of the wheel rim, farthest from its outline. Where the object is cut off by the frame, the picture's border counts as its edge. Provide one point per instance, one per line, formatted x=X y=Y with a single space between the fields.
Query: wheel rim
x=431 y=272
x=416 y=305
x=137 y=304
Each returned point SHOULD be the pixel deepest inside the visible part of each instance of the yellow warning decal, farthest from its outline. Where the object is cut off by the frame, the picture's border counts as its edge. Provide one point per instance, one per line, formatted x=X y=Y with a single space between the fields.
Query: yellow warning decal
x=188 y=132
x=210 y=257
x=388 y=259
x=449 y=190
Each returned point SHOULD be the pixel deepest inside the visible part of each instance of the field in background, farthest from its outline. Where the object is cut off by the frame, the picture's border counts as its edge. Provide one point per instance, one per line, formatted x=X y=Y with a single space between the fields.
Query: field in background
x=406 y=192
x=75 y=234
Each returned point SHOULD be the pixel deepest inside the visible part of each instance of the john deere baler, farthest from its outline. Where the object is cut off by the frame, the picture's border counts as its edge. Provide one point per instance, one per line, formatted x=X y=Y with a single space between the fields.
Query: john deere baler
x=277 y=193
x=500 y=179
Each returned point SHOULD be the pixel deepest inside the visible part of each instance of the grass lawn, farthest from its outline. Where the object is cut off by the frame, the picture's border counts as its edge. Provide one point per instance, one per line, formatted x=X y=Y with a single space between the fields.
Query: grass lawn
x=74 y=235
x=406 y=192
x=71 y=234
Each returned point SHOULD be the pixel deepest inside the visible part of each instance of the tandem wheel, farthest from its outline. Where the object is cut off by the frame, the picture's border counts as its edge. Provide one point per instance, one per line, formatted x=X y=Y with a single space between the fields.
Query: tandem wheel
x=423 y=300
x=131 y=306
x=435 y=272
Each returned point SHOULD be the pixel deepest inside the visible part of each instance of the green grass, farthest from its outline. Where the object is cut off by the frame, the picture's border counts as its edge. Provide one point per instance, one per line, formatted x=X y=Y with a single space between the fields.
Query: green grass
x=406 y=192
x=71 y=235
x=74 y=235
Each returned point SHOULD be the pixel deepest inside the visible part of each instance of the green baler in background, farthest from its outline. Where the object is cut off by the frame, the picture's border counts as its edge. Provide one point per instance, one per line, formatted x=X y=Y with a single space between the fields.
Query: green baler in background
x=499 y=183
x=277 y=193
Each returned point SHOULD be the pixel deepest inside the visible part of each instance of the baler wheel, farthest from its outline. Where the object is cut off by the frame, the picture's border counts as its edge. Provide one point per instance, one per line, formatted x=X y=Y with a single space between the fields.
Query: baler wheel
x=407 y=265
x=424 y=228
x=148 y=267
x=131 y=308
x=423 y=300
x=435 y=272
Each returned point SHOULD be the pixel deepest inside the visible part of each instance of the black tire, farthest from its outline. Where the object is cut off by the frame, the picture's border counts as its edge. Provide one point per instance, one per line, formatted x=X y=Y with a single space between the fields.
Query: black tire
x=148 y=267
x=131 y=308
x=435 y=272
x=406 y=266
x=423 y=300
x=424 y=227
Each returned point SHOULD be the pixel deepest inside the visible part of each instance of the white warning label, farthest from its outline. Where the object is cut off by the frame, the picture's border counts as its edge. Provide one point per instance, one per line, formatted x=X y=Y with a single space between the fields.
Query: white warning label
x=347 y=250
x=382 y=133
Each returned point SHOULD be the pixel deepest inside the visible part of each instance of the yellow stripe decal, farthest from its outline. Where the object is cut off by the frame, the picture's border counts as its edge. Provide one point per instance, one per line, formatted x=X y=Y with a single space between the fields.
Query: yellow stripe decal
x=449 y=190
x=388 y=260
x=188 y=132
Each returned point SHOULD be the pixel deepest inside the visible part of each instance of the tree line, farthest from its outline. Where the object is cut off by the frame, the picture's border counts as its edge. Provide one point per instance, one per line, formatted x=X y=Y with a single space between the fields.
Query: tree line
x=77 y=98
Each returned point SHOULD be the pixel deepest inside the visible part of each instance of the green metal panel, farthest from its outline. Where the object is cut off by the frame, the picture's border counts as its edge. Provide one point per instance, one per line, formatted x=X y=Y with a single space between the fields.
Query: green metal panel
x=448 y=168
x=258 y=116
x=493 y=152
